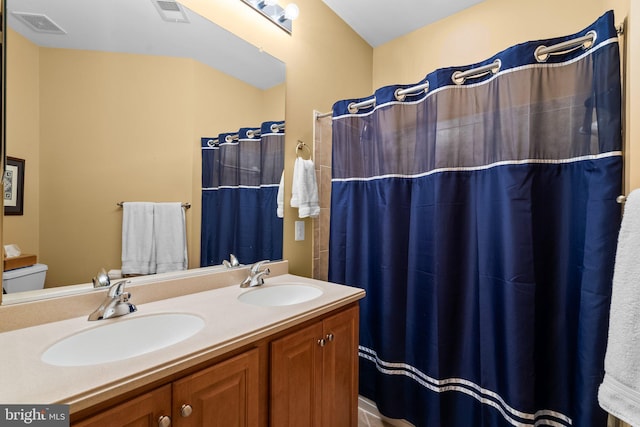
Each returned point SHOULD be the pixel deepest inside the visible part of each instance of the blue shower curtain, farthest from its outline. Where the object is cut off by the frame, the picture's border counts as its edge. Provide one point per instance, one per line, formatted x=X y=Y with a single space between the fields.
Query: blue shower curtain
x=481 y=220
x=240 y=176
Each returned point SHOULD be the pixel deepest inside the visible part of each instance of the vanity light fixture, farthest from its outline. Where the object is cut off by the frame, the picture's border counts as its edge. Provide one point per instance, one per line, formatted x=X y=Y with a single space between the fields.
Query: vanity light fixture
x=271 y=10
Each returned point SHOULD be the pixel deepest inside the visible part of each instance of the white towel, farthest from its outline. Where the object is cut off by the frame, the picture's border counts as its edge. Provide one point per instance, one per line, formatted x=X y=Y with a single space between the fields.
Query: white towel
x=154 y=238
x=619 y=393
x=280 y=198
x=304 y=189
x=170 y=237
x=138 y=246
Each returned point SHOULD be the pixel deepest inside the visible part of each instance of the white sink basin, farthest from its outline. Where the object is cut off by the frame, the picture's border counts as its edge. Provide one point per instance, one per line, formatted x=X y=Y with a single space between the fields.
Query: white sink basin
x=122 y=339
x=279 y=295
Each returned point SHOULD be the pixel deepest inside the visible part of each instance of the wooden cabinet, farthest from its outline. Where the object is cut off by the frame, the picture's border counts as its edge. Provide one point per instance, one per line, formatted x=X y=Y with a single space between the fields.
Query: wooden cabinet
x=308 y=378
x=142 y=411
x=224 y=395
x=314 y=380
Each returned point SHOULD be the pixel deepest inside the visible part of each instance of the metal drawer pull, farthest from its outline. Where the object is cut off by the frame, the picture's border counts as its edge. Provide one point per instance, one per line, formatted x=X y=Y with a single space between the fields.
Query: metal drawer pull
x=322 y=342
x=164 y=421
x=186 y=410
x=330 y=337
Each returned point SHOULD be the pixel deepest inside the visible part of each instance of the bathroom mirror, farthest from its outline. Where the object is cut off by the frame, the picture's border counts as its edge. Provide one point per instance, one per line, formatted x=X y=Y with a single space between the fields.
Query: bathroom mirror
x=106 y=102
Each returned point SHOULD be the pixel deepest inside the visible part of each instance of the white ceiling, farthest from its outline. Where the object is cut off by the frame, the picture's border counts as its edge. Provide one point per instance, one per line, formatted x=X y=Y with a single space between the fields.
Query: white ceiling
x=136 y=26
x=379 y=21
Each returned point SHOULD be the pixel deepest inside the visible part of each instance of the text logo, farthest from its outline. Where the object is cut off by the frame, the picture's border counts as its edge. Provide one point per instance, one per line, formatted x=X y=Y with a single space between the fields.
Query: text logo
x=34 y=415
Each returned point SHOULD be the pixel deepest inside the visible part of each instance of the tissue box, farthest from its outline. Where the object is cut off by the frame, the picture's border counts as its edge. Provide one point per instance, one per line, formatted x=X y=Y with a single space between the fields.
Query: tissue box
x=24 y=260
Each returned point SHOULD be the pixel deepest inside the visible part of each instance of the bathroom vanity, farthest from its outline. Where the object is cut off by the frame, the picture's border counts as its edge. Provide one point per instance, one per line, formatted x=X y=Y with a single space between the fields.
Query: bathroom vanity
x=253 y=363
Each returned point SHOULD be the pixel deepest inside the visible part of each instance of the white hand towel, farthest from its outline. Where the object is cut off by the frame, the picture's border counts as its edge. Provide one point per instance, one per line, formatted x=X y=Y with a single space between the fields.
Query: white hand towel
x=170 y=237
x=305 y=189
x=280 y=198
x=619 y=393
x=138 y=247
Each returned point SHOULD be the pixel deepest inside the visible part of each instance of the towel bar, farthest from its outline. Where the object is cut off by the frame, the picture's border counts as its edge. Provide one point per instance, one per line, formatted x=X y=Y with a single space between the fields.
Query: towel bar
x=184 y=205
x=301 y=146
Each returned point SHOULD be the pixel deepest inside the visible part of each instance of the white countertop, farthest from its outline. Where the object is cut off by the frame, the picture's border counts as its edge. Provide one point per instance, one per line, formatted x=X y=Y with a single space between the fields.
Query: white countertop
x=229 y=324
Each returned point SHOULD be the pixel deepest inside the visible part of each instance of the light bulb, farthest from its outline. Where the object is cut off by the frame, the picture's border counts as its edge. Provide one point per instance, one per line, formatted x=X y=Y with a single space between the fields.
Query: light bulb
x=291 y=12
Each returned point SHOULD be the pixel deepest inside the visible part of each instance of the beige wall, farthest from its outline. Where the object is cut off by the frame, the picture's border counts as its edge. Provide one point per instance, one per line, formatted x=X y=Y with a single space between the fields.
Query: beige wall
x=632 y=57
x=322 y=67
x=23 y=142
x=116 y=127
x=326 y=61
x=479 y=32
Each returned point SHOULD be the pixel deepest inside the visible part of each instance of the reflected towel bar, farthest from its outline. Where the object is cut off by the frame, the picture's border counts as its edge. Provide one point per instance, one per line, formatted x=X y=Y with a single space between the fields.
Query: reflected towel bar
x=184 y=205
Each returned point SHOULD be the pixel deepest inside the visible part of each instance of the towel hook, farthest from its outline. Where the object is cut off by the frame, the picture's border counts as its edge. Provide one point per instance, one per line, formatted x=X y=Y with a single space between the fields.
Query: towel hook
x=301 y=147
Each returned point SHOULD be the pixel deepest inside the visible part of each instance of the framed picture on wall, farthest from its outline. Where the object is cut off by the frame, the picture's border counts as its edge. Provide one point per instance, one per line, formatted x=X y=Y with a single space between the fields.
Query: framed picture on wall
x=13 y=186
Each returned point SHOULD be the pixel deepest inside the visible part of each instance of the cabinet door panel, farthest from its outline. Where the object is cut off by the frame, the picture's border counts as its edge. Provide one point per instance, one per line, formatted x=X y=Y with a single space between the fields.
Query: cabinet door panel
x=142 y=411
x=224 y=395
x=340 y=380
x=296 y=378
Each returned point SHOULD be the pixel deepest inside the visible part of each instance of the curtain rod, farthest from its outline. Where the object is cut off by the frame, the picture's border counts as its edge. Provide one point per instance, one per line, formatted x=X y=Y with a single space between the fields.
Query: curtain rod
x=541 y=54
x=274 y=128
x=459 y=77
x=185 y=205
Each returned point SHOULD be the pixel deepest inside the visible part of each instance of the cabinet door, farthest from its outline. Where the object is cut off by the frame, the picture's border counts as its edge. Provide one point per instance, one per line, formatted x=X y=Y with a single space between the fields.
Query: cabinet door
x=142 y=411
x=340 y=379
x=296 y=379
x=224 y=395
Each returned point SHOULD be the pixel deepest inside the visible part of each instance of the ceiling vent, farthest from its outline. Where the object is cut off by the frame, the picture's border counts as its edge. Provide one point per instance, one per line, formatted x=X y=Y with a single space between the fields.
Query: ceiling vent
x=39 y=22
x=170 y=11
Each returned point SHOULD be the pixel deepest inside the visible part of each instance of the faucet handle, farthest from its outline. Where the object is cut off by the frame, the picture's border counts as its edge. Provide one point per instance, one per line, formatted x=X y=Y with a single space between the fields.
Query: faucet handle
x=255 y=268
x=234 y=260
x=117 y=289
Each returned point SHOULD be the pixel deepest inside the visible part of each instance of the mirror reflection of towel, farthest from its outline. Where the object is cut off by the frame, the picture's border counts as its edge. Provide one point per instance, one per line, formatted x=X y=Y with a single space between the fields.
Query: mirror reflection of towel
x=153 y=238
x=138 y=249
x=170 y=237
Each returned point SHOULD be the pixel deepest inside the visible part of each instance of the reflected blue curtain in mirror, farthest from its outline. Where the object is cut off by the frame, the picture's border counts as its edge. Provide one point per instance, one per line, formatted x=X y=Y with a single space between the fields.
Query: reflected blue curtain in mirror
x=481 y=219
x=240 y=179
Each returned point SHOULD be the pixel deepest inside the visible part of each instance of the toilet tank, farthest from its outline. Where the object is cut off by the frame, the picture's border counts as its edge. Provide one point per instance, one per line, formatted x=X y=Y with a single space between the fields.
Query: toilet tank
x=24 y=279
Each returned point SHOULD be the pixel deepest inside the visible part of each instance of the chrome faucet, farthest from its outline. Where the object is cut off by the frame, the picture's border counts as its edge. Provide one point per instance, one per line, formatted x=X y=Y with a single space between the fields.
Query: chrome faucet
x=255 y=277
x=232 y=263
x=115 y=304
x=101 y=279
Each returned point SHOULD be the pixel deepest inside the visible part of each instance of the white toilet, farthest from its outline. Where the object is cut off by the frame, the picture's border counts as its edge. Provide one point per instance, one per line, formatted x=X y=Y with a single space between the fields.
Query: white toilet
x=24 y=279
